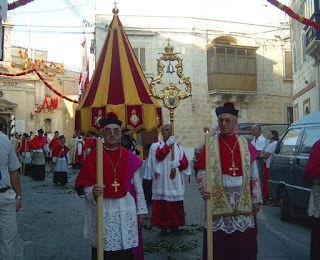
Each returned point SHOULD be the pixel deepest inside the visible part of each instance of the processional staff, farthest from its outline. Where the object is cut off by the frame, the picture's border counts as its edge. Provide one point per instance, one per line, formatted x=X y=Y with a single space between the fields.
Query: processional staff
x=171 y=97
x=208 y=201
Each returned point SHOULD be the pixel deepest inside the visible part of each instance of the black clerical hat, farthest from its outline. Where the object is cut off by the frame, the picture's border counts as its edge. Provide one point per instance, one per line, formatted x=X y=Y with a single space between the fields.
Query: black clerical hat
x=228 y=108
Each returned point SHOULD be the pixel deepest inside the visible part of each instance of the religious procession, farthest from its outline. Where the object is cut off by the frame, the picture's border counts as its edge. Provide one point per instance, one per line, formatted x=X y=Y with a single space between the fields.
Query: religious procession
x=142 y=174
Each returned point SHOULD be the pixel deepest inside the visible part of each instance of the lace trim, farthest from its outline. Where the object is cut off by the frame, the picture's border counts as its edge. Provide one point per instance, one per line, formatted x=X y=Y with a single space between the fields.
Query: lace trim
x=119 y=221
x=167 y=197
x=233 y=223
x=141 y=205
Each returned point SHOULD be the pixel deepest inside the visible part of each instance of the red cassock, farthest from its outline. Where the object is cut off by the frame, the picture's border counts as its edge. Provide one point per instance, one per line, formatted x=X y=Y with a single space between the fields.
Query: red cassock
x=22 y=146
x=57 y=149
x=54 y=142
x=38 y=143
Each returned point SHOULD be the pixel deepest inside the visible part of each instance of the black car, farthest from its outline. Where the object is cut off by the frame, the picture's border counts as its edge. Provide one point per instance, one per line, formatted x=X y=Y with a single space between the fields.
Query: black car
x=286 y=184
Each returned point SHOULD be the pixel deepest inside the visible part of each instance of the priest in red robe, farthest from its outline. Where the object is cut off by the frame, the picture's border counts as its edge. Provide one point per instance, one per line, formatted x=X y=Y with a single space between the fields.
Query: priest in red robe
x=124 y=203
x=312 y=177
x=60 y=159
x=38 y=156
x=236 y=192
x=55 y=141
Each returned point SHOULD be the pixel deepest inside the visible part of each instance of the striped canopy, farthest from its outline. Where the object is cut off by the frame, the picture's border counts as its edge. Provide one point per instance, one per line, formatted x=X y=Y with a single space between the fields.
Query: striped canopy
x=118 y=85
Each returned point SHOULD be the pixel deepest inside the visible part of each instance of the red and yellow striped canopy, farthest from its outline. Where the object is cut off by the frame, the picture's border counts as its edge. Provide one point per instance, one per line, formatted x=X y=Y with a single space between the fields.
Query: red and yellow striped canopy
x=118 y=85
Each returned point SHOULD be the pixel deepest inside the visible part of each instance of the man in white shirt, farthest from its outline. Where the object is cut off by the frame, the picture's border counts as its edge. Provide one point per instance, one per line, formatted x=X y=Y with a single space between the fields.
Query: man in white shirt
x=259 y=142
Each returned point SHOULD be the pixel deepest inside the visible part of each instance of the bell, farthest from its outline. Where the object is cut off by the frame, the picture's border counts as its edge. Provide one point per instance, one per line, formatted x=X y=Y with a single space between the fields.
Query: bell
x=170 y=68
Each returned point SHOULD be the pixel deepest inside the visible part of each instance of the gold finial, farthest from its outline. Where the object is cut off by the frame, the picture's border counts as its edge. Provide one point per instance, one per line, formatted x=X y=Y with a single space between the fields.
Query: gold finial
x=168 y=48
x=115 y=10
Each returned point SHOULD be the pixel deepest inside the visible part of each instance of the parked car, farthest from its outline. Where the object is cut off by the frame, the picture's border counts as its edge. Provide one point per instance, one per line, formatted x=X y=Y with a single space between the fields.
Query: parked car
x=286 y=184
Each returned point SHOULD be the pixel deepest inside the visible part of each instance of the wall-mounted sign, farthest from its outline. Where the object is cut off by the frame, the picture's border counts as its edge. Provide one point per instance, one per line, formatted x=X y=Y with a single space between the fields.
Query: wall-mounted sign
x=20 y=126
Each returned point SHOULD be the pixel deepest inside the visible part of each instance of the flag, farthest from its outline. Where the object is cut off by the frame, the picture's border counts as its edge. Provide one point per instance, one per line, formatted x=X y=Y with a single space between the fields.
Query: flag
x=84 y=74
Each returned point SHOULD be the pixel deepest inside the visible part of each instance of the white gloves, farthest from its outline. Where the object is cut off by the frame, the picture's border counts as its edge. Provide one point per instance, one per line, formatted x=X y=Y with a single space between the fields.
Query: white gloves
x=174 y=164
x=171 y=140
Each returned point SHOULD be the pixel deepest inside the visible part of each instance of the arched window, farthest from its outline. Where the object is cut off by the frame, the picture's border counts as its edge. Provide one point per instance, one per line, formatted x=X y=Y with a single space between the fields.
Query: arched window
x=47 y=125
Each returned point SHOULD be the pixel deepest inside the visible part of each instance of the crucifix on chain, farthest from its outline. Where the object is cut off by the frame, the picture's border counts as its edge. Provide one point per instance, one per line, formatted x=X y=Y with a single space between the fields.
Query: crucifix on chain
x=234 y=169
x=115 y=184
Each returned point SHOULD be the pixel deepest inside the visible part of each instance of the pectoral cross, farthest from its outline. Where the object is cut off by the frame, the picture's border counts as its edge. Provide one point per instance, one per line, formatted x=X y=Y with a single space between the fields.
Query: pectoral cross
x=115 y=184
x=234 y=169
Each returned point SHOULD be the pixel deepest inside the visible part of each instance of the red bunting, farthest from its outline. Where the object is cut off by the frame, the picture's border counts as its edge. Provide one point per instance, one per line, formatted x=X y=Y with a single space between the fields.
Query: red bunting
x=294 y=15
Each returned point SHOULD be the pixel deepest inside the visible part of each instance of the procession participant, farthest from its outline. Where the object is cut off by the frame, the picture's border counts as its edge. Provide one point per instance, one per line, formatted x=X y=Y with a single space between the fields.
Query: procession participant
x=147 y=177
x=24 y=150
x=54 y=142
x=38 y=162
x=72 y=152
x=88 y=145
x=47 y=149
x=15 y=142
x=236 y=190
x=60 y=158
x=10 y=199
x=312 y=177
x=123 y=199
x=79 y=157
x=167 y=190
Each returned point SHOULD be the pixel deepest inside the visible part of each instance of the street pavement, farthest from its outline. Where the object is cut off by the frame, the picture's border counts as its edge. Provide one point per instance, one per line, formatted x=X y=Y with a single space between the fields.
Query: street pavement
x=50 y=226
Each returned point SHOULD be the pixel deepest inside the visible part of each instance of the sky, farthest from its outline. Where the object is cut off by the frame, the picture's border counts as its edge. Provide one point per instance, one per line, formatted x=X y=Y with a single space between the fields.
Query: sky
x=54 y=26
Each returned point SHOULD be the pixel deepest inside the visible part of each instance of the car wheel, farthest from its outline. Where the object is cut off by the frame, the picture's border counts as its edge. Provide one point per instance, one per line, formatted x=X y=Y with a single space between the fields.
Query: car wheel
x=284 y=206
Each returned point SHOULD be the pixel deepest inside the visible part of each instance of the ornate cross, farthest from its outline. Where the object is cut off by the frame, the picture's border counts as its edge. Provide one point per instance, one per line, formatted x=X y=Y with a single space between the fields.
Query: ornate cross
x=232 y=168
x=115 y=184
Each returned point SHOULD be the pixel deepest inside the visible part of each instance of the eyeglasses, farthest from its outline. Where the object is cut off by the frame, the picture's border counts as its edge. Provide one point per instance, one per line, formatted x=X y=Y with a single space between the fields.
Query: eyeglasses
x=109 y=131
x=226 y=120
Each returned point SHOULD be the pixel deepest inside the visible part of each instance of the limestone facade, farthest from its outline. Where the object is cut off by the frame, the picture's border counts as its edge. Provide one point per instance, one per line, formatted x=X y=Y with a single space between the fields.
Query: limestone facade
x=305 y=56
x=192 y=34
x=22 y=96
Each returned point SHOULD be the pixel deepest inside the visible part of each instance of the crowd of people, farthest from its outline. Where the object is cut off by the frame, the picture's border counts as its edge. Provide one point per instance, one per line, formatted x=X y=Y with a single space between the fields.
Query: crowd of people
x=239 y=168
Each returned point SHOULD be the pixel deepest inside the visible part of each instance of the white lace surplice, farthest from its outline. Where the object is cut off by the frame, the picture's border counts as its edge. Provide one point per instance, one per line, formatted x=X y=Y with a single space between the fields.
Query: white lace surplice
x=314 y=200
x=232 y=186
x=119 y=218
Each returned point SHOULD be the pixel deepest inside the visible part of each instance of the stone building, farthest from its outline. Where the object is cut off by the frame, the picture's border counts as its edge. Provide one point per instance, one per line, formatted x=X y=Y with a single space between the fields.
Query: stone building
x=240 y=54
x=26 y=104
x=305 y=43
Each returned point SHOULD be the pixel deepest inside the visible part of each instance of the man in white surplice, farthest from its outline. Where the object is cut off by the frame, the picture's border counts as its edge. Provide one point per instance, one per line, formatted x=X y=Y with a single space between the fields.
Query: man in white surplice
x=124 y=203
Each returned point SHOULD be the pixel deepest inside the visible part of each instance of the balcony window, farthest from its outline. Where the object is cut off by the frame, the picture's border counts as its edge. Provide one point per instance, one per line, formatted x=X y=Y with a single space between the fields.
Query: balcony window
x=232 y=59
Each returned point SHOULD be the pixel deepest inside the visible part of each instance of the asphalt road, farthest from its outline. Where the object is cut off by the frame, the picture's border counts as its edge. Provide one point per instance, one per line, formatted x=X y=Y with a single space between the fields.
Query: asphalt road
x=50 y=226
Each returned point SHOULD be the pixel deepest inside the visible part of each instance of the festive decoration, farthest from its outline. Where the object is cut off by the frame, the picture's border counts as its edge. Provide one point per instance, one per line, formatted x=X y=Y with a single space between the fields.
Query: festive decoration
x=53 y=104
x=52 y=89
x=18 y=74
x=118 y=85
x=12 y=125
x=84 y=74
x=294 y=15
x=17 y=4
x=40 y=64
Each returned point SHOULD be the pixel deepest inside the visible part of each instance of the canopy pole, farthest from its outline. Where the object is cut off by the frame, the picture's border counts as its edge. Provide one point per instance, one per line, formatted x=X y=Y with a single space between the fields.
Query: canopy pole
x=173 y=171
x=100 y=200
x=209 y=201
